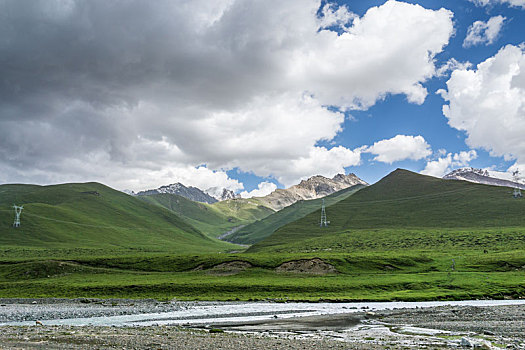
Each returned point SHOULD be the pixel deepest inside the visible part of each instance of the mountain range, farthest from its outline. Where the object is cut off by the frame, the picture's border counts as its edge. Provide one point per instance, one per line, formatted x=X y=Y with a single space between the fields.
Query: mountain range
x=227 y=213
x=192 y=193
x=93 y=216
x=412 y=203
x=260 y=229
x=314 y=187
x=482 y=176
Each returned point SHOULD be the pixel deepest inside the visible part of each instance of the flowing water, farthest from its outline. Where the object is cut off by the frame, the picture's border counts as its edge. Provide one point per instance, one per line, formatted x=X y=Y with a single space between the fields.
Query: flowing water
x=201 y=314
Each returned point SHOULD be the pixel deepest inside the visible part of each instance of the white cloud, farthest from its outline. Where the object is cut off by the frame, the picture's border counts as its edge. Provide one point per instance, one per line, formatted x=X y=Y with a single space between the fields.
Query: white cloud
x=438 y=167
x=335 y=16
x=484 y=32
x=263 y=189
x=451 y=65
x=516 y=3
x=444 y=165
x=318 y=161
x=123 y=176
x=400 y=147
x=226 y=83
x=369 y=61
x=488 y=103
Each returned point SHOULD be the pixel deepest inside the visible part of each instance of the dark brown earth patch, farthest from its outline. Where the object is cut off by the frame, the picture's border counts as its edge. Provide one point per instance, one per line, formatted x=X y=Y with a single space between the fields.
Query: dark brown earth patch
x=314 y=266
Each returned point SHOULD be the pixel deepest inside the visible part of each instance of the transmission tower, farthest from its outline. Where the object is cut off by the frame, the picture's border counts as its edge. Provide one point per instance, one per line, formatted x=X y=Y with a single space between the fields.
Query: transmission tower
x=517 y=189
x=18 y=211
x=324 y=223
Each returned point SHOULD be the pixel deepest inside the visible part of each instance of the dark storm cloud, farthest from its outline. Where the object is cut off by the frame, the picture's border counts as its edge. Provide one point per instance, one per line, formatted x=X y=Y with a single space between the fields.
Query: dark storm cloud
x=68 y=67
x=145 y=87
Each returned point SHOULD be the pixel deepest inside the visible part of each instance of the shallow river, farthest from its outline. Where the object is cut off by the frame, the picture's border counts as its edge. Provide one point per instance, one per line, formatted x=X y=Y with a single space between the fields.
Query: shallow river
x=224 y=313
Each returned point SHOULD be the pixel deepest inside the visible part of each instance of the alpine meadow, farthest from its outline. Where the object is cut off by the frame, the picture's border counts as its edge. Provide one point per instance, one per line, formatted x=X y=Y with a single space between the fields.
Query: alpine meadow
x=262 y=174
x=407 y=237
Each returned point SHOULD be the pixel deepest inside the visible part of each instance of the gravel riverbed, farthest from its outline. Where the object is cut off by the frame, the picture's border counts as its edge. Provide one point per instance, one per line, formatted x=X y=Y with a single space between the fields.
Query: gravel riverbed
x=446 y=326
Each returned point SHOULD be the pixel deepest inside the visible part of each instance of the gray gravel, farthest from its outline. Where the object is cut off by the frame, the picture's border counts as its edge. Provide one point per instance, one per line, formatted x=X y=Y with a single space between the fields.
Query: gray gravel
x=44 y=309
x=503 y=321
x=433 y=327
x=63 y=337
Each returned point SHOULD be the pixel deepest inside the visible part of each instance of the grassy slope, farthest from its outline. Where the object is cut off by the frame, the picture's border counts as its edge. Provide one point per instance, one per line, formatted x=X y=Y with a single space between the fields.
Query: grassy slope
x=211 y=219
x=362 y=276
x=93 y=216
x=246 y=210
x=409 y=205
x=387 y=262
x=261 y=229
x=200 y=215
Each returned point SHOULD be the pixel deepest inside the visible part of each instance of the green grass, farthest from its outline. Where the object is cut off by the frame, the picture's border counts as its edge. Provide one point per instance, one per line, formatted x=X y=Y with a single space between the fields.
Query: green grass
x=408 y=237
x=250 y=209
x=361 y=277
x=409 y=204
x=211 y=219
x=263 y=228
x=92 y=216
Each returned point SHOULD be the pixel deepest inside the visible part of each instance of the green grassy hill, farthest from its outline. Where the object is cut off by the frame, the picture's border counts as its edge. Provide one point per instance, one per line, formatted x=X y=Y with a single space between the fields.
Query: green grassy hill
x=408 y=237
x=263 y=228
x=93 y=216
x=245 y=210
x=211 y=219
x=408 y=207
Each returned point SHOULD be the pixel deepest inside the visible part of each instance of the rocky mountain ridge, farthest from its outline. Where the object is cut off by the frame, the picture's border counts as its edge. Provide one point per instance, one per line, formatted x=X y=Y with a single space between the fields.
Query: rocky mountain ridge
x=221 y=193
x=481 y=176
x=192 y=193
x=314 y=187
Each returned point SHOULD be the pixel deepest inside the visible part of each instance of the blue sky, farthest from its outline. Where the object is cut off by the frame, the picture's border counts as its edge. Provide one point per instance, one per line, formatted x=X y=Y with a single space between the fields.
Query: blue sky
x=395 y=115
x=255 y=95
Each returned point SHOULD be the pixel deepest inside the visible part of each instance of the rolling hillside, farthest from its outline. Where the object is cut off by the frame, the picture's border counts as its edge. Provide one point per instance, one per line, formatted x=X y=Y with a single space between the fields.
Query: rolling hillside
x=215 y=219
x=212 y=220
x=220 y=219
x=412 y=203
x=93 y=216
x=261 y=229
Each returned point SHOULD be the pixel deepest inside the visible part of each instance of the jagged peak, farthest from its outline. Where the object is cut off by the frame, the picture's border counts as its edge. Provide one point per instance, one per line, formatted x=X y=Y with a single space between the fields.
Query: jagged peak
x=314 y=187
x=191 y=193
x=484 y=176
x=467 y=170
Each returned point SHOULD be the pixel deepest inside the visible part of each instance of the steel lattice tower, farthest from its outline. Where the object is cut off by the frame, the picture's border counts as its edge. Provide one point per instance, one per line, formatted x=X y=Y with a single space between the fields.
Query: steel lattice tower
x=324 y=223
x=517 y=189
x=18 y=211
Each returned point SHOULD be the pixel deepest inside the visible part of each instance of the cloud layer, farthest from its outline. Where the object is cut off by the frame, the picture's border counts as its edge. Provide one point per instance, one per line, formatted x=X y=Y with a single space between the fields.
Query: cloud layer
x=135 y=93
x=488 y=103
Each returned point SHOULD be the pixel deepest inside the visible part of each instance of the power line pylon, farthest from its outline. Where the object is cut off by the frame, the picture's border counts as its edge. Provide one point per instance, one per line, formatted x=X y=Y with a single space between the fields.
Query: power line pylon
x=18 y=211
x=517 y=189
x=324 y=223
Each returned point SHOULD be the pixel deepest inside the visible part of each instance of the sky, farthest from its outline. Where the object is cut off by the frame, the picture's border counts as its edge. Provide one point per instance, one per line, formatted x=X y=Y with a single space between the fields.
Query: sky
x=260 y=94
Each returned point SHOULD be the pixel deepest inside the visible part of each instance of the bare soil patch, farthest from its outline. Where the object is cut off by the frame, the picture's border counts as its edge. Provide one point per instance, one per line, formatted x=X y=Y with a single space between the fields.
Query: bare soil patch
x=314 y=266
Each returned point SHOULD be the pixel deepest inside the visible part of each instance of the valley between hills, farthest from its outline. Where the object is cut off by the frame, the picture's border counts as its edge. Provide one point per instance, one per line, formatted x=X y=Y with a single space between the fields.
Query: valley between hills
x=407 y=237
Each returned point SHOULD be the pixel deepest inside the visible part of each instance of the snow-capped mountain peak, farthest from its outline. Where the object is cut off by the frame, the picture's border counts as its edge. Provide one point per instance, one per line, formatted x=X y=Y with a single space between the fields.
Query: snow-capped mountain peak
x=221 y=194
x=191 y=193
x=484 y=176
